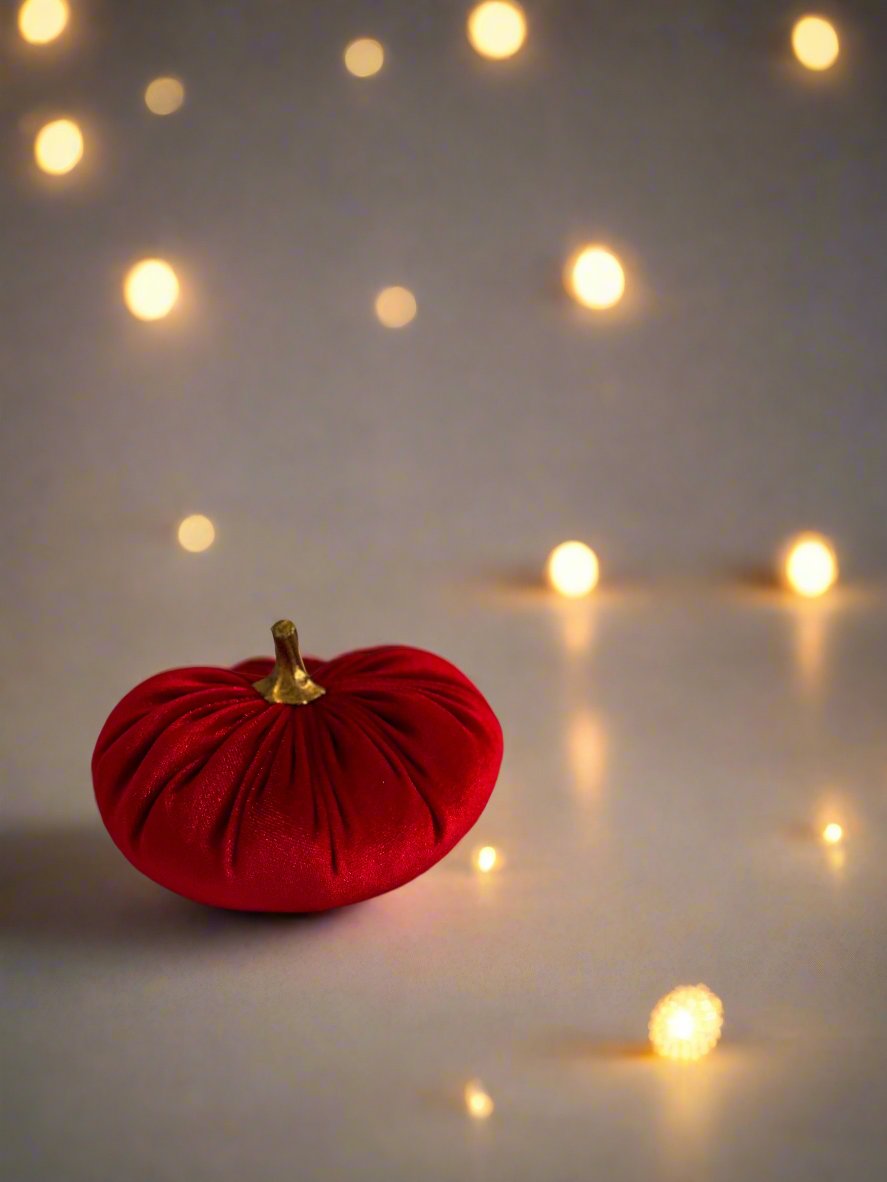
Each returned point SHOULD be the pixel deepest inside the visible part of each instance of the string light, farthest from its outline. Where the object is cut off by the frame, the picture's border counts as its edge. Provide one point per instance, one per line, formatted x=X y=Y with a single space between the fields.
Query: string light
x=594 y=277
x=151 y=289
x=686 y=1023
x=58 y=147
x=196 y=533
x=395 y=306
x=486 y=858
x=811 y=566
x=833 y=833
x=478 y=1101
x=497 y=29
x=41 y=21
x=815 y=42
x=164 y=96
x=364 y=57
x=573 y=569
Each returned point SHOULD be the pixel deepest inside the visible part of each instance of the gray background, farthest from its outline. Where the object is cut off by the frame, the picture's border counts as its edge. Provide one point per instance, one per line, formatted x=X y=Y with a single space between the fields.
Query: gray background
x=668 y=745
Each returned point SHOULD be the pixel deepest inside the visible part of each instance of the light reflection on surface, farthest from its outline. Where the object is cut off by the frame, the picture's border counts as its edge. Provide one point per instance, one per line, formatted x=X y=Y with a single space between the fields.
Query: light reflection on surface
x=478 y=1101
x=586 y=750
x=809 y=631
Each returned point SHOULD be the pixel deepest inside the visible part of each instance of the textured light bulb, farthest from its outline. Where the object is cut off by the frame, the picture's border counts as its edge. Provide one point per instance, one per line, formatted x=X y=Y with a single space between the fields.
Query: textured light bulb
x=395 y=306
x=573 y=569
x=833 y=833
x=164 y=96
x=151 y=289
x=594 y=278
x=497 y=29
x=364 y=57
x=486 y=858
x=815 y=42
x=58 y=146
x=41 y=21
x=478 y=1101
x=196 y=533
x=686 y=1023
x=811 y=567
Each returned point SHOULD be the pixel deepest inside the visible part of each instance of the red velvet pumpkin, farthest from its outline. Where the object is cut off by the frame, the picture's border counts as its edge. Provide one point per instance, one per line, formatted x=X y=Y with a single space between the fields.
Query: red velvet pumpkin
x=292 y=786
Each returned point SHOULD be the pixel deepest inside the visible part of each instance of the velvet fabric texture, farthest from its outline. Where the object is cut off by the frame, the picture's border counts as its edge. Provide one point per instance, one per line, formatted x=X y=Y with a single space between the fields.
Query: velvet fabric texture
x=237 y=802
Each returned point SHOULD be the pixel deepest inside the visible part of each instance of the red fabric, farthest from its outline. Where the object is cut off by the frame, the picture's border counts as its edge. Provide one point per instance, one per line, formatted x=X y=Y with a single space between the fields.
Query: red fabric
x=231 y=800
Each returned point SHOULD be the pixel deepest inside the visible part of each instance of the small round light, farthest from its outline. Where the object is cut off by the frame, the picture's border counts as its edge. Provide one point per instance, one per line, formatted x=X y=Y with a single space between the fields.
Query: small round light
x=364 y=57
x=478 y=1101
x=811 y=567
x=41 y=21
x=573 y=569
x=497 y=29
x=395 y=306
x=594 y=278
x=815 y=42
x=486 y=858
x=833 y=833
x=164 y=96
x=151 y=289
x=686 y=1023
x=58 y=146
x=196 y=533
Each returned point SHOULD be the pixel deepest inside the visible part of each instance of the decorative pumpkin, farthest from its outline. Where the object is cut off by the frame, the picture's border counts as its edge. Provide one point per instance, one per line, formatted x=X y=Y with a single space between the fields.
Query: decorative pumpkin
x=294 y=785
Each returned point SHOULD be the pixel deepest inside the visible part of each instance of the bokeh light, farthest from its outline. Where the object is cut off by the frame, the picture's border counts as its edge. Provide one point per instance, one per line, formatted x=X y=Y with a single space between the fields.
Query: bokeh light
x=395 y=306
x=164 y=96
x=151 y=289
x=497 y=29
x=811 y=566
x=196 y=533
x=364 y=57
x=486 y=858
x=594 y=277
x=686 y=1023
x=815 y=42
x=58 y=146
x=833 y=833
x=478 y=1101
x=573 y=569
x=41 y=21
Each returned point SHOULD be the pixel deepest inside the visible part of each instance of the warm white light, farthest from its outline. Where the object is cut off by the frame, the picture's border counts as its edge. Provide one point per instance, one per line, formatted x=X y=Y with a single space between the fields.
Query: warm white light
x=164 y=96
x=364 y=57
x=151 y=289
x=686 y=1023
x=811 y=566
x=833 y=833
x=573 y=569
x=478 y=1101
x=486 y=858
x=594 y=277
x=395 y=306
x=815 y=42
x=58 y=146
x=41 y=21
x=196 y=533
x=497 y=29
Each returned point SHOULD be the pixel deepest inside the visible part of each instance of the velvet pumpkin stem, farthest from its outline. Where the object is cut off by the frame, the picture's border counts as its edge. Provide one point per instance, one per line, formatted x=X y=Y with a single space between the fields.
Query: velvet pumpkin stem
x=289 y=682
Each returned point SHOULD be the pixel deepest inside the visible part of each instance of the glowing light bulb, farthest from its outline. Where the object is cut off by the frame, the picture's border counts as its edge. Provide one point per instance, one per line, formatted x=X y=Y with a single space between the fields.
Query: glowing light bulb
x=196 y=533
x=58 y=147
x=815 y=42
x=41 y=21
x=811 y=567
x=364 y=57
x=573 y=569
x=164 y=96
x=833 y=833
x=478 y=1101
x=686 y=1023
x=395 y=306
x=486 y=858
x=151 y=289
x=594 y=277
x=497 y=29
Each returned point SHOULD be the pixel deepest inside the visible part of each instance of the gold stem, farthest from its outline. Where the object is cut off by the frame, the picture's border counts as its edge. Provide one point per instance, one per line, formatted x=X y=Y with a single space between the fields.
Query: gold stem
x=289 y=681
